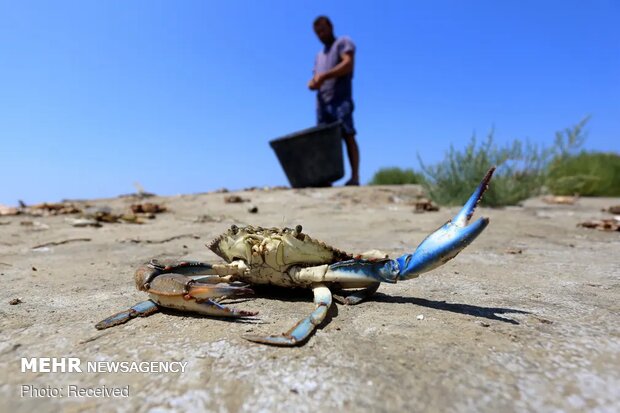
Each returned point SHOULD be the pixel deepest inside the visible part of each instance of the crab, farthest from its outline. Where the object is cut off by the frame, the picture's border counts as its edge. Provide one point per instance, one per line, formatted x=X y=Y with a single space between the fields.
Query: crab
x=287 y=257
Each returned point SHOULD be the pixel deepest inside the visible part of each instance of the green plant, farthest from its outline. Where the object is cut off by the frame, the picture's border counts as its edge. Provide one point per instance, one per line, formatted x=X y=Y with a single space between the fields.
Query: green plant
x=521 y=168
x=587 y=174
x=570 y=140
x=395 y=176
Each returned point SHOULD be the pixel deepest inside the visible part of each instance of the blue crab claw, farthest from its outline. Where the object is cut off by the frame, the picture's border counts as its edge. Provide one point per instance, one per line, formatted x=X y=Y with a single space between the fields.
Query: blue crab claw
x=445 y=243
x=437 y=249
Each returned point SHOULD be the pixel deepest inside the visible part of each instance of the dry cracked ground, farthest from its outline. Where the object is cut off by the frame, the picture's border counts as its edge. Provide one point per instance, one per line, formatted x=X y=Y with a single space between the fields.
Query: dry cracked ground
x=525 y=319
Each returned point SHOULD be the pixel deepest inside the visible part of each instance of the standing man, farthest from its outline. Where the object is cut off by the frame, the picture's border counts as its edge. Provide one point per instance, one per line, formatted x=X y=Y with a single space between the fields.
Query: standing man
x=333 y=75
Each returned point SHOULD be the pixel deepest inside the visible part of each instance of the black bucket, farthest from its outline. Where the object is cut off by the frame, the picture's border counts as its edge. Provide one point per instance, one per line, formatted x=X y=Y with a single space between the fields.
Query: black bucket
x=311 y=157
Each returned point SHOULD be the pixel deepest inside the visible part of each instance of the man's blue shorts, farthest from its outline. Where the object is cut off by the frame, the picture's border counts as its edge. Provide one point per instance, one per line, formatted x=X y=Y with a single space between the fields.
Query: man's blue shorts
x=336 y=110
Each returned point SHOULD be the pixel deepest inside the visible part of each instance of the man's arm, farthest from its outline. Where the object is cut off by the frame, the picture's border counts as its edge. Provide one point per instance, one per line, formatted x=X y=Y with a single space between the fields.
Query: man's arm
x=341 y=69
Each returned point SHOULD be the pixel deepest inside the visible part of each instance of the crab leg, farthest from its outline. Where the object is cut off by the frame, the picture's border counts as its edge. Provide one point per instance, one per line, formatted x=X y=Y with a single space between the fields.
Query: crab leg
x=175 y=285
x=184 y=293
x=302 y=330
x=155 y=268
x=143 y=309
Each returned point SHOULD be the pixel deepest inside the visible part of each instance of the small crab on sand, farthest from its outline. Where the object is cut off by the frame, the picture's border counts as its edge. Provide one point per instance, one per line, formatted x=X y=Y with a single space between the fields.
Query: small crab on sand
x=287 y=257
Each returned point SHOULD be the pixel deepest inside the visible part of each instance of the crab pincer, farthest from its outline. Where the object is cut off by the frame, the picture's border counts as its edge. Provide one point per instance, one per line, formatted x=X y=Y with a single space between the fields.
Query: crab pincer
x=435 y=250
x=450 y=239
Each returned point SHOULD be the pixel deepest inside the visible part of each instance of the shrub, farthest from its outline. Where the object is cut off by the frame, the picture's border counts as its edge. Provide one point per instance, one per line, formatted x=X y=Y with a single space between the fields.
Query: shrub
x=395 y=176
x=521 y=168
x=519 y=175
x=587 y=174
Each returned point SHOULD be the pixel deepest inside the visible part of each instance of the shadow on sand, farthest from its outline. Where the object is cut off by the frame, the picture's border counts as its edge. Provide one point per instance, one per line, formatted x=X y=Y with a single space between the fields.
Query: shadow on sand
x=473 y=310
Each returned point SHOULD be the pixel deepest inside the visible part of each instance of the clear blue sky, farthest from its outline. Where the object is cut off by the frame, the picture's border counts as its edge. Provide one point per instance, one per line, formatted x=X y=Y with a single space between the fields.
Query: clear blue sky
x=183 y=96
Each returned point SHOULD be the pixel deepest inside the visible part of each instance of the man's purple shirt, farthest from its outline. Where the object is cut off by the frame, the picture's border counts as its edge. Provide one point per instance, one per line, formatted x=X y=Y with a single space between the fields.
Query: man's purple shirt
x=339 y=88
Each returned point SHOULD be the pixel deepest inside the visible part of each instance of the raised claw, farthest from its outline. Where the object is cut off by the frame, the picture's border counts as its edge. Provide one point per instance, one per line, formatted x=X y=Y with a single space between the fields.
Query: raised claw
x=446 y=242
x=436 y=249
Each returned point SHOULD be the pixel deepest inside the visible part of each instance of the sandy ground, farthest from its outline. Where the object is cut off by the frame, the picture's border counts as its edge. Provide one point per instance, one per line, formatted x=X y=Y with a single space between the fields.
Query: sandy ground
x=492 y=330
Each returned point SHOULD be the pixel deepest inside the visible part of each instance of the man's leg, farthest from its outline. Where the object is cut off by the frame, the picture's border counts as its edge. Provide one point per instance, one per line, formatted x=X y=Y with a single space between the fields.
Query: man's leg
x=324 y=116
x=354 y=158
x=324 y=113
x=344 y=113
